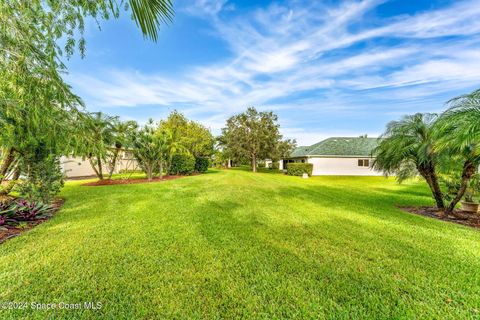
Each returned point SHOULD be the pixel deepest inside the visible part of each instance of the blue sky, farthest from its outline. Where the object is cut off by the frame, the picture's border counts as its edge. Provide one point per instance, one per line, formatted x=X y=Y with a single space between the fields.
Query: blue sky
x=327 y=68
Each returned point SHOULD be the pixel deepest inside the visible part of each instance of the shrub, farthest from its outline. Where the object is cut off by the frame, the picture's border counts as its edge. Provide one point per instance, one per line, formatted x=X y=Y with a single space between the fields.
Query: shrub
x=298 y=169
x=183 y=164
x=23 y=210
x=43 y=179
x=201 y=164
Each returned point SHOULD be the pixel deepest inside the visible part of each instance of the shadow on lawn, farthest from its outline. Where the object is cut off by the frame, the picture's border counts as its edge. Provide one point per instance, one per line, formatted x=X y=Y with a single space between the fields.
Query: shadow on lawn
x=369 y=218
x=336 y=256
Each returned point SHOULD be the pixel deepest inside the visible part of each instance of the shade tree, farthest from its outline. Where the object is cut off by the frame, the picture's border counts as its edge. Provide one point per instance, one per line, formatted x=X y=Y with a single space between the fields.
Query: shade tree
x=252 y=135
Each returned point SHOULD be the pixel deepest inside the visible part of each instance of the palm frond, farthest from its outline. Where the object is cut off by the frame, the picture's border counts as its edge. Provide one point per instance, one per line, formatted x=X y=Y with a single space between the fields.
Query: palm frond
x=150 y=14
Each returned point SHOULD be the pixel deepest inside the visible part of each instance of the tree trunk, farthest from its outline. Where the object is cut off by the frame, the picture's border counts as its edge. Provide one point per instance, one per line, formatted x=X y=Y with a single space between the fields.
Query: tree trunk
x=5 y=191
x=160 y=168
x=149 y=172
x=93 y=165
x=7 y=162
x=468 y=171
x=430 y=176
x=114 y=163
x=437 y=192
x=254 y=163
x=100 y=169
x=169 y=164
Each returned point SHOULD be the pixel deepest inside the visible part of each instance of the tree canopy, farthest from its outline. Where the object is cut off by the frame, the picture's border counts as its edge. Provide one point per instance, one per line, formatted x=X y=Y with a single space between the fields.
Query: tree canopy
x=254 y=135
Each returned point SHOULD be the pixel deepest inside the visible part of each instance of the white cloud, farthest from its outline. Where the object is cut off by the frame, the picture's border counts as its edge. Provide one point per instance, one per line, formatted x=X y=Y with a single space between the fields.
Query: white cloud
x=282 y=52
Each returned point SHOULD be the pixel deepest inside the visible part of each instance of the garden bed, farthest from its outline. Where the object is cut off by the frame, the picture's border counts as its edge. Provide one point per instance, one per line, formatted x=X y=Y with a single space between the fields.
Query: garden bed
x=8 y=232
x=465 y=218
x=107 y=182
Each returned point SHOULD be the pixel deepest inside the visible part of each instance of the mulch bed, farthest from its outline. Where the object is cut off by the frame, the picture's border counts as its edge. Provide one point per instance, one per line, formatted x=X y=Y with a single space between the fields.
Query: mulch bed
x=463 y=217
x=12 y=232
x=108 y=182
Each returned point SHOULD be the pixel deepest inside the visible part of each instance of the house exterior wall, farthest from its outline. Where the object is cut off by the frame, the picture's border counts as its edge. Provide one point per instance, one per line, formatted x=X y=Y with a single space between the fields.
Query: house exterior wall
x=74 y=167
x=268 y=163
x=341 y=167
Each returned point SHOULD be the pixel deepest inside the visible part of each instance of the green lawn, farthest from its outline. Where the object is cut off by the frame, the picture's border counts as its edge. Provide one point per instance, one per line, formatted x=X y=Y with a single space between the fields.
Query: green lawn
x=233 y=244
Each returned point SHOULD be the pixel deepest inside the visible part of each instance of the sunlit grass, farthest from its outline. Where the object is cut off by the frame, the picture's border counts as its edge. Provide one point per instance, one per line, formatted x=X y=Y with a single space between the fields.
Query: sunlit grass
x=233 y=244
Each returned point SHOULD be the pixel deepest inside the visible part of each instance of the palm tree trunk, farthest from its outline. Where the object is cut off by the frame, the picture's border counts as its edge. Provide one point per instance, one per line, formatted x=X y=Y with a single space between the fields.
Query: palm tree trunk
x=5 y=191
x=437 y=192
x=100 y=168
x=169 y=165
x=114 y=163
x=6 y=163
x=468 y=171
x=149 y=171
x=94 y=167
x=160 y=165
x=430 y=176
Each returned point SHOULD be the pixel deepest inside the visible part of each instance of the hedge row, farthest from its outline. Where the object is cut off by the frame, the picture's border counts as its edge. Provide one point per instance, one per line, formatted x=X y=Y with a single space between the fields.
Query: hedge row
x=298 y=169
x=183 y=164
x=201 y=164
x=186 y=164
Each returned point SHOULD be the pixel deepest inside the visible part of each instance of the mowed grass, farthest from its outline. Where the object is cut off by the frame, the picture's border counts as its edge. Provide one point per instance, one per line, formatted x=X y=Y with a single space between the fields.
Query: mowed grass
x=233 y=244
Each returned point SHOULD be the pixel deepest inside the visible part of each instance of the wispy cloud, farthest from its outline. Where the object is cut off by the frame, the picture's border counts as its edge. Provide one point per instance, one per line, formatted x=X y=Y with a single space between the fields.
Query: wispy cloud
x=311 y=60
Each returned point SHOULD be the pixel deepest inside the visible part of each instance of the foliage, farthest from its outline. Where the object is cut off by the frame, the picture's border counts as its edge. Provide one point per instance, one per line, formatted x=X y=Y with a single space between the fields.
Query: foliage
x=186 y=136
x=148 y=149
x=473 y=189
x=183 y=164
x=283 y=150
x=43 y=178
x=298 y=169
x=459 y=139
x=99 y=137
x=23 y=210
x=443 y=148
x=124 y=132
x=201 y=164
x=252 y=135
x=408 y=147
x=37 y=108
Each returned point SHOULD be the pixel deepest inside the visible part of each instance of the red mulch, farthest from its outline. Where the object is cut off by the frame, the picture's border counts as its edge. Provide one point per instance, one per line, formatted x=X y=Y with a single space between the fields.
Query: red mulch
x=461 y=217
x=12 y=232
x=107 y=182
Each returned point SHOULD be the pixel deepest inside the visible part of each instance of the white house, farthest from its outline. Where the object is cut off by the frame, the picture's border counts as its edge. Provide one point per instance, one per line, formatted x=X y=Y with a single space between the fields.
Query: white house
x=76 y=167
x=349 y=156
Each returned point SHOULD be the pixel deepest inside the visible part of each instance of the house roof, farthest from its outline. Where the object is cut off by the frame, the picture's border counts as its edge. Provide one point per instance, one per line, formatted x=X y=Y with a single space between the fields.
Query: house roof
x=338 y=146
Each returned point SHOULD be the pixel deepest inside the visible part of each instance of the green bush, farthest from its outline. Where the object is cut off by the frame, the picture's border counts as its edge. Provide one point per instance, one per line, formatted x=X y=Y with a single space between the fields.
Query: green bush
x=43 y=178
x=183 y=164
x=201 y=164
x=298 y=169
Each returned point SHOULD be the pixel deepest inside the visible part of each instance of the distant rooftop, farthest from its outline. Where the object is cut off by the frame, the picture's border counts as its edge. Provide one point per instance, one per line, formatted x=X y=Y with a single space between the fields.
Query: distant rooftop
x=338 y=146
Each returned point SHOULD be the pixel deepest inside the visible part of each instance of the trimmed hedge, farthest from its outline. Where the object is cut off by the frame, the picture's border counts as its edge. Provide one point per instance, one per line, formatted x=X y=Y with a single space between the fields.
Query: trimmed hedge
x=298 y=169
x=183 y=164
x=201 y=164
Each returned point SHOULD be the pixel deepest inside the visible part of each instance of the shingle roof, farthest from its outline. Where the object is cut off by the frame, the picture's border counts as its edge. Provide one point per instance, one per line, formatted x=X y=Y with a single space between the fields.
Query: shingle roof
x=338 y=146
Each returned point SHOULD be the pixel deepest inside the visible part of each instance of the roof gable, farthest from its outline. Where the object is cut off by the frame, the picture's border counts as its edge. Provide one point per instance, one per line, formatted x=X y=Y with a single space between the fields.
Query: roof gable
x=339 y=146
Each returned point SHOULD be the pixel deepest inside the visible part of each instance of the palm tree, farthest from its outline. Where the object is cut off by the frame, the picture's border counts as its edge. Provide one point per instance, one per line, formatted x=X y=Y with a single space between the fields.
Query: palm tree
x=147 y=148
x=460 y=131
x=123 y=132
x=171 y=146
x=99 y=138
x=410 y=143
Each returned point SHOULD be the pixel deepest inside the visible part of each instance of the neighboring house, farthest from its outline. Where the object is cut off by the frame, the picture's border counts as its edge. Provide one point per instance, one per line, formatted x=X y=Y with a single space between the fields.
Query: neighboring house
x=75 y=167
x=349 y=156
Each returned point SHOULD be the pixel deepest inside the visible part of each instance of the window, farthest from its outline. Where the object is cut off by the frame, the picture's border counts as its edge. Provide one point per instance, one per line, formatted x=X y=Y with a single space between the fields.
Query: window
x=363 y=162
